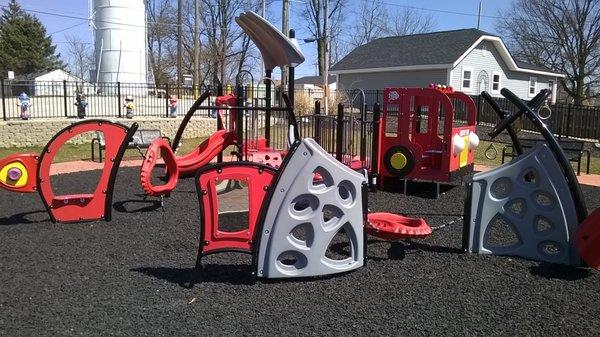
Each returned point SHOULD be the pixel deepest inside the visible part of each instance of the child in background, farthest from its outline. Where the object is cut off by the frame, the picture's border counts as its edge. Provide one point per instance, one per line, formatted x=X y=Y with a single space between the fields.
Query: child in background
x=81 y=105
x=173 y=106
x=24 y=103
x=129 y=106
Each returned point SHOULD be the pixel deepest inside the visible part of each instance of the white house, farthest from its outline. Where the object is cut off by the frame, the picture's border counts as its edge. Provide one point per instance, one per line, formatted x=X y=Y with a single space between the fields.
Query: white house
x=469 y=60
x=51 y=83
x=314 y=82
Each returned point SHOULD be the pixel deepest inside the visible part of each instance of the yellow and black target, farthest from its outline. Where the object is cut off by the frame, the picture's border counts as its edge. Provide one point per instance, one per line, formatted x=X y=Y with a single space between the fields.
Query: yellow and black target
x=399 y=161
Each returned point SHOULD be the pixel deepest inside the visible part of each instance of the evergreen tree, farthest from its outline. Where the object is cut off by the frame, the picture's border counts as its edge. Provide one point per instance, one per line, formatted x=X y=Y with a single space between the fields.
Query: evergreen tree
x=24 y=46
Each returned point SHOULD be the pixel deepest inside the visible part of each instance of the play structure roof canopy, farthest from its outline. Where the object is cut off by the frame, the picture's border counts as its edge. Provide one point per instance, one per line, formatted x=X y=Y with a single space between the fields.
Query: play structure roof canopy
x=276 y=48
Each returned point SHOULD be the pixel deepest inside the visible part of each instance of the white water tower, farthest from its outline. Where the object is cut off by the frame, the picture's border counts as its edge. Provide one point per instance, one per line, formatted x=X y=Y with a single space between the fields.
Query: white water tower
x=120 y=41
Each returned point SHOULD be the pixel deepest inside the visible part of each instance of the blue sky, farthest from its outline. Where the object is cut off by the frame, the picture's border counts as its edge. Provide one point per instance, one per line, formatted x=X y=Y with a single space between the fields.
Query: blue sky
x=445 y=13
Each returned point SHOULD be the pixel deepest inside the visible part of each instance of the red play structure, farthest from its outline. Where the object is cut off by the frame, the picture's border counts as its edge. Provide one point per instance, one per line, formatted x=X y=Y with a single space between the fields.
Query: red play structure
x=418 y=138
x=30 y=173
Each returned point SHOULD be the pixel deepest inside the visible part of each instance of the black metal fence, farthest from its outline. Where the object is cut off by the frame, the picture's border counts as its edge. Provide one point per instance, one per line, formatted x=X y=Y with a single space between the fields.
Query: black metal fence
x=106 y=100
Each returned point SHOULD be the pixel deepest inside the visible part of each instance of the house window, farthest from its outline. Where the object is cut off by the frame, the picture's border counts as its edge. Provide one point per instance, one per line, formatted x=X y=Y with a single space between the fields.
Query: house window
x=496 y=81
x=467 y=74
x=532 y=86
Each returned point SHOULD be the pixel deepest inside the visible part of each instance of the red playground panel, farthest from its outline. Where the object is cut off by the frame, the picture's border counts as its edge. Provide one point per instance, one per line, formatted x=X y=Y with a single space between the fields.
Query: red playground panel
x=148 y=165
x=84 y=207
x=588 y=240
x=257 y=177
x=418 y=138
x=393 y=227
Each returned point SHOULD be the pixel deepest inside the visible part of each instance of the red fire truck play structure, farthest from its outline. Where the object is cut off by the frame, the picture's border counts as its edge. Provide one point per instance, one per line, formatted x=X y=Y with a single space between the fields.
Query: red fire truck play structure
x=418 y=138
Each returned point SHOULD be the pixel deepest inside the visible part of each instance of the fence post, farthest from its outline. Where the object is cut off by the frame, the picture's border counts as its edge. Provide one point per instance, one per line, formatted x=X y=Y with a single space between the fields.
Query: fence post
x=568 y=131
x=119 y=99
x=479 y=107
x=166 y=99
x=3 y=100
x=65 y=97
x=317 y=129
x=339 y=133
x=363 y=132
x=375 y=147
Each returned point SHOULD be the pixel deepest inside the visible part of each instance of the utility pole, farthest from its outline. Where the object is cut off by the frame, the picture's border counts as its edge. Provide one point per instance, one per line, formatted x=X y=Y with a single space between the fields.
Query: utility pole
x=479 y=15
x=196 y=46
x=326 y=57
x=285 y=29
x=179 y=41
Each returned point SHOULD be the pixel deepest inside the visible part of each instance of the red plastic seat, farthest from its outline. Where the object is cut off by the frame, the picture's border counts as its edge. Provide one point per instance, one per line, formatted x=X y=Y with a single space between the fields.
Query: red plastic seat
x=393 y=227
x=150 y=162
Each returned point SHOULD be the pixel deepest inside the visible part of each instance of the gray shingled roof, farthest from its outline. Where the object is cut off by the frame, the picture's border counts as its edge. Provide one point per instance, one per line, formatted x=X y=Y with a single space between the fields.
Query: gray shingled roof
x=409 y=50
x=318 y=80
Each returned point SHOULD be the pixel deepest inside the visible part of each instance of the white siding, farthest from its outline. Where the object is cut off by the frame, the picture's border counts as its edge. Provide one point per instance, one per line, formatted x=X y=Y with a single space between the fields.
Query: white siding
x=382 y=80
x=484 y=60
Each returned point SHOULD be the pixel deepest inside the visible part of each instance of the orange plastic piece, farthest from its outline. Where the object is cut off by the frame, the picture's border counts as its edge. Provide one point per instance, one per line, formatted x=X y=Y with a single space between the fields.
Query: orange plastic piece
x=587 y=240
x=150 y=161
x=391 y=226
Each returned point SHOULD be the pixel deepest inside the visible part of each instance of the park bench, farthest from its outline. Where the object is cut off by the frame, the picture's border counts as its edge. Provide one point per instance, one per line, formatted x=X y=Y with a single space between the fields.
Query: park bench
x=573 y=149
x=141 y=139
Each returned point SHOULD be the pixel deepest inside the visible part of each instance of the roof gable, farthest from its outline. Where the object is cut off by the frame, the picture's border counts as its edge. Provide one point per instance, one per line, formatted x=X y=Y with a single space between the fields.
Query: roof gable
x=410 y=50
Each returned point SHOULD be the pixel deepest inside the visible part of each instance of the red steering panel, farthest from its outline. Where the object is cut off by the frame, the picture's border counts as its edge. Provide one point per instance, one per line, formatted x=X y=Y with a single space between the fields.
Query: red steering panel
x=84 y=207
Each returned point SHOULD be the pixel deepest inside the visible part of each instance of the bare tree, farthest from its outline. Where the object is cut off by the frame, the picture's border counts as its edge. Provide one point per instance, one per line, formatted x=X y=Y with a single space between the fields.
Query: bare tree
x=563 y=35
x=162 y=38
x=370 y=22
x=80 y=56
x=314 y=15
x=410 y=21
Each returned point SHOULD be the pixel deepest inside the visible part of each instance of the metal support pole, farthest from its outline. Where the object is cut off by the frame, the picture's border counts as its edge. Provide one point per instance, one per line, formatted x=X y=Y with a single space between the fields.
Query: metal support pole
x=166 y=99
x=568 y=131
x=291 y=72
x=339 y=133
x=239 y=125
x=3 y=100
x=479 y=107
x=363 y=135
x=268 y=81
x=317 y=129
x=119 y=99
x=65 y=98
x=375 y=147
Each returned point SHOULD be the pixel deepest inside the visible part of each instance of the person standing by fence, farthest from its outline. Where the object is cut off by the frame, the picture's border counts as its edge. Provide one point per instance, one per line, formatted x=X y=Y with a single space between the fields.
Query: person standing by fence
x=173 y=106
x=129 y=106
x=81 y=105
x=24 y=103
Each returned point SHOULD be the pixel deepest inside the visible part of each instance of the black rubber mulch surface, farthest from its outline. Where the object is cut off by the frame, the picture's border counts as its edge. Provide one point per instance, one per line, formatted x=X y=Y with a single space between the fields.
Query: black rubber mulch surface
x=128 y=277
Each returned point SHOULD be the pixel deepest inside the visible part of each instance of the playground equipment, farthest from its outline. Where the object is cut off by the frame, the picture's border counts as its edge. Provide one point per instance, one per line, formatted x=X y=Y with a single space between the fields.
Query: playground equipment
x=412 y=144
x=31 y=173
x=532 y=206
x=284 y=202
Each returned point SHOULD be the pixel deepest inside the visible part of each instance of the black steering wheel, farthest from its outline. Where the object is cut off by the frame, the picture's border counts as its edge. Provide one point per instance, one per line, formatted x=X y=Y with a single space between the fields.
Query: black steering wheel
x=534 y=105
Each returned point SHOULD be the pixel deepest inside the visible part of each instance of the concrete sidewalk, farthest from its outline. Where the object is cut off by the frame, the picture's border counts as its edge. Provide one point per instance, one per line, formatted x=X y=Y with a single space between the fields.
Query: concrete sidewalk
x=81 y=165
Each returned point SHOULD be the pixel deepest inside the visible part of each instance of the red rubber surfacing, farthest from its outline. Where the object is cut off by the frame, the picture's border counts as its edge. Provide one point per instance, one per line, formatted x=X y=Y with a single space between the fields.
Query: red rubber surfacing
x=391 y=226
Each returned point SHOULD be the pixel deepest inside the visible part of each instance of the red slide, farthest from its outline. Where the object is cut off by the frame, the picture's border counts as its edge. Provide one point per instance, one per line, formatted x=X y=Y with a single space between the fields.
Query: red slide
x=189 y=163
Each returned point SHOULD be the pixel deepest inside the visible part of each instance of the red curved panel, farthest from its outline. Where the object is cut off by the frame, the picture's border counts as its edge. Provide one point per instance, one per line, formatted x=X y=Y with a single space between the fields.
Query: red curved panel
x=150 y=161
x=189 y=163
x=258 y=177
x=588 y=240
x=18 y=172
x=84 y=207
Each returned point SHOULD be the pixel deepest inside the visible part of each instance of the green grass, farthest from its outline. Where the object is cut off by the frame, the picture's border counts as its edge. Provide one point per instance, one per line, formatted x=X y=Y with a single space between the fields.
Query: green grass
x=72 y=152
x=482 y=160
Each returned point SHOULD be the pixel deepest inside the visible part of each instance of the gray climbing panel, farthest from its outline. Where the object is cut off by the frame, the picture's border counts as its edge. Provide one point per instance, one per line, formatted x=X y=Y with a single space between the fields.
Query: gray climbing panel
x=315 y=198
x=524 y=208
